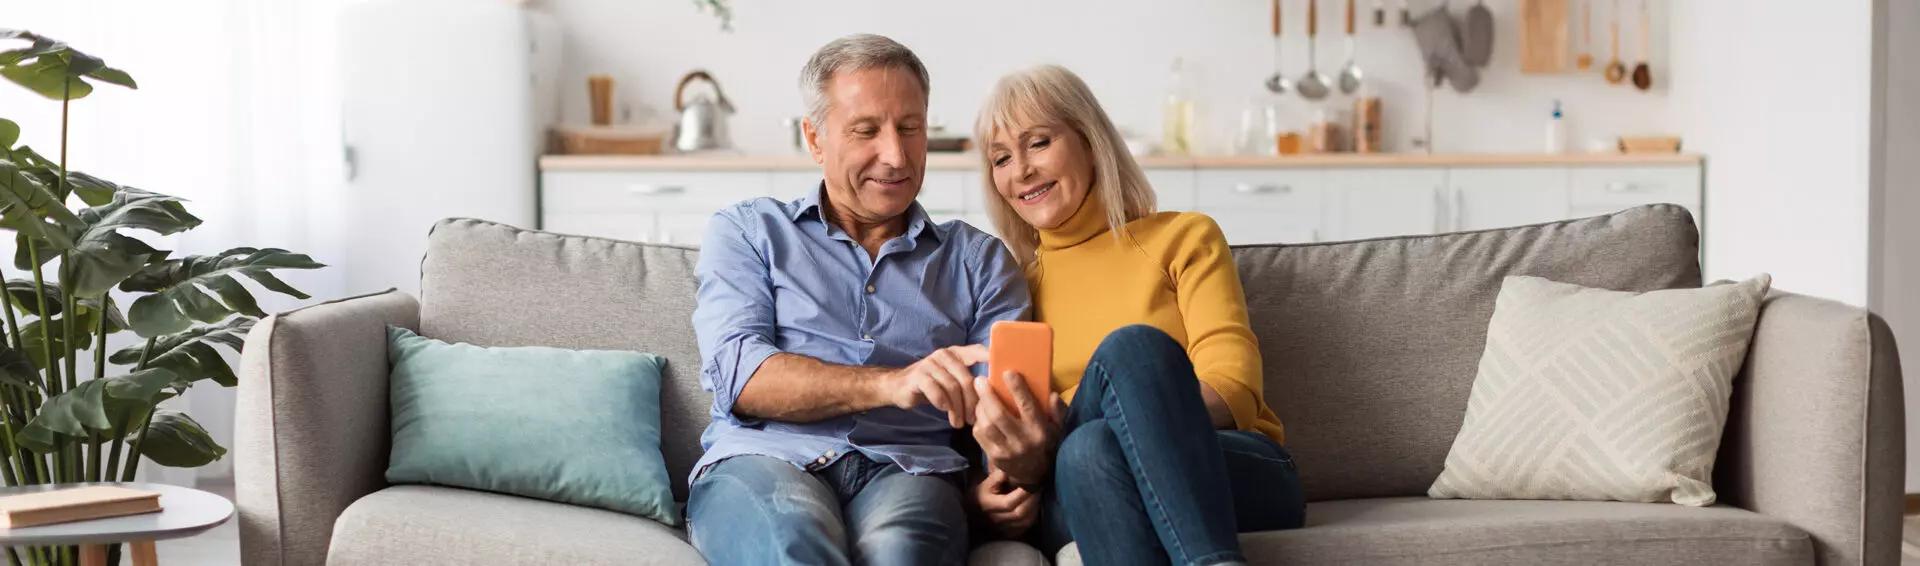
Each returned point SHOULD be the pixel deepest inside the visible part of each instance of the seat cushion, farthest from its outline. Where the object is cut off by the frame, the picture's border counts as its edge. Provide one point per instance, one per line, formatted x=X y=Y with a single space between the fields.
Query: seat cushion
x=1417 y=530
x=445 y=525
x=427 y=525
x=1370 y=347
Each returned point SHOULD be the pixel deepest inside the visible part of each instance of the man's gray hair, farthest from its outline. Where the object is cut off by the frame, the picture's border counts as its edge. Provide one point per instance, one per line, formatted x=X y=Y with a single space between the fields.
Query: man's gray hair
x=852 y=53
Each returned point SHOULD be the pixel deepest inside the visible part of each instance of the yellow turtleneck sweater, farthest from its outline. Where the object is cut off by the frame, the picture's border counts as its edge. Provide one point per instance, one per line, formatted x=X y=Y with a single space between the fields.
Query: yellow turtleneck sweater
x=1170 y=270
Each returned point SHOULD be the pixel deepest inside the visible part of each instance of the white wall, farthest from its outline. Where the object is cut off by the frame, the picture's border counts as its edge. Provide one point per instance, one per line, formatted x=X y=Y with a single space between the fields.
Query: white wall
x=1777 y=96
x=1122 y=48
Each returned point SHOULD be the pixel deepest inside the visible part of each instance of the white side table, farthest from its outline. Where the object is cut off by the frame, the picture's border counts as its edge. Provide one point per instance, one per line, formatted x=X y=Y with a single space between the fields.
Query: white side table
x=184 y=512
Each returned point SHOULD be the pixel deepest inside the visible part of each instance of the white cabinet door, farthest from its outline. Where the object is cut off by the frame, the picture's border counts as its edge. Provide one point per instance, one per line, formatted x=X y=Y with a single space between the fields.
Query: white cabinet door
x=1374 y=203
x=1258 y=206
x=1172 y=188
x=1502 y=197
x=650 y=206
x=1603 y=190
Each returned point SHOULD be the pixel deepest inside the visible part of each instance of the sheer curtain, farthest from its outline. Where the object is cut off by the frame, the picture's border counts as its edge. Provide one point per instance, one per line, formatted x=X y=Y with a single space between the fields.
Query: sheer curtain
x=237 y=110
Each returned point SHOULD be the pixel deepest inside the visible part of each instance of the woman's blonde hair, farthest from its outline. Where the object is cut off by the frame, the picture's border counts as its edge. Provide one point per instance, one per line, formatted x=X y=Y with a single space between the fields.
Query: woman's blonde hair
x=1053 y=95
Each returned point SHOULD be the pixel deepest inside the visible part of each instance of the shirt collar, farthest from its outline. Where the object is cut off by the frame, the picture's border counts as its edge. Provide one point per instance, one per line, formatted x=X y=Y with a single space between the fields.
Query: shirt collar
x=808 y=205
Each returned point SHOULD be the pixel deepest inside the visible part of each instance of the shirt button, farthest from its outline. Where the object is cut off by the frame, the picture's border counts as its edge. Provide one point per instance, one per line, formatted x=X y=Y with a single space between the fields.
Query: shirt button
x=821 y=460
x=867 y=337
x=869 y=289
x=830 y=454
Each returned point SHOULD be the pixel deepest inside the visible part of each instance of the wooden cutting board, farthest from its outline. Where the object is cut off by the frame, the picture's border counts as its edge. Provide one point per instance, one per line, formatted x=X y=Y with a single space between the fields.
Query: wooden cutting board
x=1545 y=37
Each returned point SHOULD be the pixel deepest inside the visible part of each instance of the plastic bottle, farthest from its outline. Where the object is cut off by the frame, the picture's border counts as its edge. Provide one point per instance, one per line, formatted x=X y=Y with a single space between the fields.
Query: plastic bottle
x=1176 y=133
x=1556 y=131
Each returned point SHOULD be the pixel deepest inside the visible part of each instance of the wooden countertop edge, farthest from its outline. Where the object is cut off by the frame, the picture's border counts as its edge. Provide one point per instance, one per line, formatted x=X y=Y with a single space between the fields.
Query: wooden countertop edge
x=962 y=161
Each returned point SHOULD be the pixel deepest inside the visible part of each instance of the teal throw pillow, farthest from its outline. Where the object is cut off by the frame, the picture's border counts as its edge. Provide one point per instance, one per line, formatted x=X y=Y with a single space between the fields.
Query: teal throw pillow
x=573 y=426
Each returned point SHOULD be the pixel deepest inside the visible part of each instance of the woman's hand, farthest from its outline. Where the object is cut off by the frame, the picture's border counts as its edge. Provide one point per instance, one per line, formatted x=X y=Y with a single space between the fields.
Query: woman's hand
x=1010 y=509
x=1019 y=440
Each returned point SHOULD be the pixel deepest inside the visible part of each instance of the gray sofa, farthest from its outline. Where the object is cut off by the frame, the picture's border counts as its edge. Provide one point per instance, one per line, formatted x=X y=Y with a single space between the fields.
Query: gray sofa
x=1370 y=348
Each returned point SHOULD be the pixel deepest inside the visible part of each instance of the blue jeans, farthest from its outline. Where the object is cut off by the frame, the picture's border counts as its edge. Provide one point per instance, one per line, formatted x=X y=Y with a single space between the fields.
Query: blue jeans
x=761 y=510
x=1142 y=477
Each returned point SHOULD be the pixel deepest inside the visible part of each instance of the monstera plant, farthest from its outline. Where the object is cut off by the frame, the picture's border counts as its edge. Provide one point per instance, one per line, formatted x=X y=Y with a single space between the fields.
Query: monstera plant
x=77 y=258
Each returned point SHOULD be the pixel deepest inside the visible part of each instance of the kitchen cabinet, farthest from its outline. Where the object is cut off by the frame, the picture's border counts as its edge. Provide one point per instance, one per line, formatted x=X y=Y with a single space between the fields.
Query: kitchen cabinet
x=1296 y=200
x=1479 y=199
x=1374 y=203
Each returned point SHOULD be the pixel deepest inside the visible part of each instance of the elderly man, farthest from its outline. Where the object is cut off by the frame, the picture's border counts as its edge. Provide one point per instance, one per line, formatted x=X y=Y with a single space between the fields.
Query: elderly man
x=837 y=334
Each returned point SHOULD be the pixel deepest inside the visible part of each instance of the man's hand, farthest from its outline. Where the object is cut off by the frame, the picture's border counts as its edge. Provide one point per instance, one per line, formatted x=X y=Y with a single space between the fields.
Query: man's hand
x=1018 y=440
x=1010 y=509
x=941 y=379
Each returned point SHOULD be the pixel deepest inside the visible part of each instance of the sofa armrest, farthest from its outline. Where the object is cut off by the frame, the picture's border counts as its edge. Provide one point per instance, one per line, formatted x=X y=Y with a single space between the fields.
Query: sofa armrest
x=311 y=431
x=1816 y=432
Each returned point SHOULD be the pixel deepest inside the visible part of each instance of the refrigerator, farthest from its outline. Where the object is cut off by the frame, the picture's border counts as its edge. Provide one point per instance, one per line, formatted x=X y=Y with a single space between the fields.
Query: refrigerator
x=445 y=106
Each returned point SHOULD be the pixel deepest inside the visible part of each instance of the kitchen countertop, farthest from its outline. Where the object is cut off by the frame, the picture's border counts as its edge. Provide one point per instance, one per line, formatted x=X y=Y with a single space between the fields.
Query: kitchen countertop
x=967 y=161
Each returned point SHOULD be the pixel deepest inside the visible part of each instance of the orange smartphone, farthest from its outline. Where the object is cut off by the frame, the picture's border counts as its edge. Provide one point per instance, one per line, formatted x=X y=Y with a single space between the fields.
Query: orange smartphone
x=1026 y=348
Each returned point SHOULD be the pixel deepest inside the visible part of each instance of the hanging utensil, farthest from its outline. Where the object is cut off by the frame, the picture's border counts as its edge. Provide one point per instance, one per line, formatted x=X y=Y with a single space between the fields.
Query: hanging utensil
x=1585 y=60
x=1616 y=71
x=1642 y=74
x=1278 y=83
x=1350 y=74
x=1379 y=14
x=1406 y=15
x=1476 y=41
x=1313 y=85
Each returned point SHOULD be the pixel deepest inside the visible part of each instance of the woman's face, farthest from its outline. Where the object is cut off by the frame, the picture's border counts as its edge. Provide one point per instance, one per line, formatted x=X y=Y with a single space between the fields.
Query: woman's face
x=1043 y=172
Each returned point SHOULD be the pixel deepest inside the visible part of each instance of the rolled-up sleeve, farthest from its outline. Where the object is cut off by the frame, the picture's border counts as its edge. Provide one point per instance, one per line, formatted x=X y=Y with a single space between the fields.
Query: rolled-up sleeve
x=733 y=318
x=1000 y=289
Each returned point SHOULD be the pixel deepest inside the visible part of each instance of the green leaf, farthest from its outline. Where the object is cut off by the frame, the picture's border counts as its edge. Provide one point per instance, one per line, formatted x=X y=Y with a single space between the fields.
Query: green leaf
x=114 y=76
x=191 y=353
x=95 y=406
x=52 y=332
x=93 y=190
x=176 y=440
x=47 y=76
x=206 y=288
x=26 y=205
x=9 y=133
x=101 y=257
x=55 y=70
x=16 y=369
x=24 y=299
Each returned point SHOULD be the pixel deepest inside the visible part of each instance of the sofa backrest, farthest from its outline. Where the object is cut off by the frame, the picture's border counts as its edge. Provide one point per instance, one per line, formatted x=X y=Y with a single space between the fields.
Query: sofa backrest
x=1370 y=346
x=491 y=284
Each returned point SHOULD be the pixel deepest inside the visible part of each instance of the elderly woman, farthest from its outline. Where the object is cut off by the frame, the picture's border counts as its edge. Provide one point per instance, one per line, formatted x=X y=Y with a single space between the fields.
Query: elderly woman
x=1167 y=448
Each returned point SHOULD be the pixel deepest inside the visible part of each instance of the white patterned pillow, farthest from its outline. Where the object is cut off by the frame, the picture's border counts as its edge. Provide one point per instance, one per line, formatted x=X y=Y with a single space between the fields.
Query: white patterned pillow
x=1593 y=394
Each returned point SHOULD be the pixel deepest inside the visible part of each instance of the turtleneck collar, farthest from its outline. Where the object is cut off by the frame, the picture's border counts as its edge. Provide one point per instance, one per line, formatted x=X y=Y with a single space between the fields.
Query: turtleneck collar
x=1089 y=221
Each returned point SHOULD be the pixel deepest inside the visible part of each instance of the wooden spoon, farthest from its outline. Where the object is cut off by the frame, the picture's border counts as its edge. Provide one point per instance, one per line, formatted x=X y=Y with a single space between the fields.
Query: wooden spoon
x=1642 y=75
x=1585 y=60
x=1616 y=71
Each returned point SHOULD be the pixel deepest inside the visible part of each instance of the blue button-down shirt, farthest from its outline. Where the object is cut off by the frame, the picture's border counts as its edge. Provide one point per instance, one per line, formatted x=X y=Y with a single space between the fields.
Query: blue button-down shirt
x=776 y=277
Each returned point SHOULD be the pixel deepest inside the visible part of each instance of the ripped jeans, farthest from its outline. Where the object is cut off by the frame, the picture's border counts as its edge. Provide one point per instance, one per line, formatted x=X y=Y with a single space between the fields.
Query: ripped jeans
x=761 y=510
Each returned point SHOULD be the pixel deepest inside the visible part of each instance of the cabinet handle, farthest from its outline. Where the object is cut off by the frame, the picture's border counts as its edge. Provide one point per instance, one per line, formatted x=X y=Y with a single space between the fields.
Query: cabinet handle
x=1623 y=187
x=1439 y=209
x=1459 y=210
x=1253 y=189
x=655 y=190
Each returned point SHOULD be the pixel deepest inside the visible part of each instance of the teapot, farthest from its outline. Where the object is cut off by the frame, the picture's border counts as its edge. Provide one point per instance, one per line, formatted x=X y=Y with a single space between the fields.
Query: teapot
x=703 y=121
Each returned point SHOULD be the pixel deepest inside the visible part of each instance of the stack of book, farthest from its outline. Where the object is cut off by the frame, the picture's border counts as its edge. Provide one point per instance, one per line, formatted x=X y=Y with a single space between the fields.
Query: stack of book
x=75 y=504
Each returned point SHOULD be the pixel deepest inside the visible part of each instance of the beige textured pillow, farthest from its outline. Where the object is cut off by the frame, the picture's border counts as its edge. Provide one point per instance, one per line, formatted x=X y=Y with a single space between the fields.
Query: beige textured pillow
x=1593 y=394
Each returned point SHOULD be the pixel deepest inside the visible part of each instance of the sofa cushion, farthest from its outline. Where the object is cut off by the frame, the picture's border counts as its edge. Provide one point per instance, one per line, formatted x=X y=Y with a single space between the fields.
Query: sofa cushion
x=1371 y=346
x=445 y=525
x=490 y=284
x=1417 y=530
x=420 y=524
x=1600 y=395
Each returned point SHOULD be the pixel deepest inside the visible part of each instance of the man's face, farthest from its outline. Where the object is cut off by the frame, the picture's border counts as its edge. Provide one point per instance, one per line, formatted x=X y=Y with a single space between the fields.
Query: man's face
x=872 y=147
